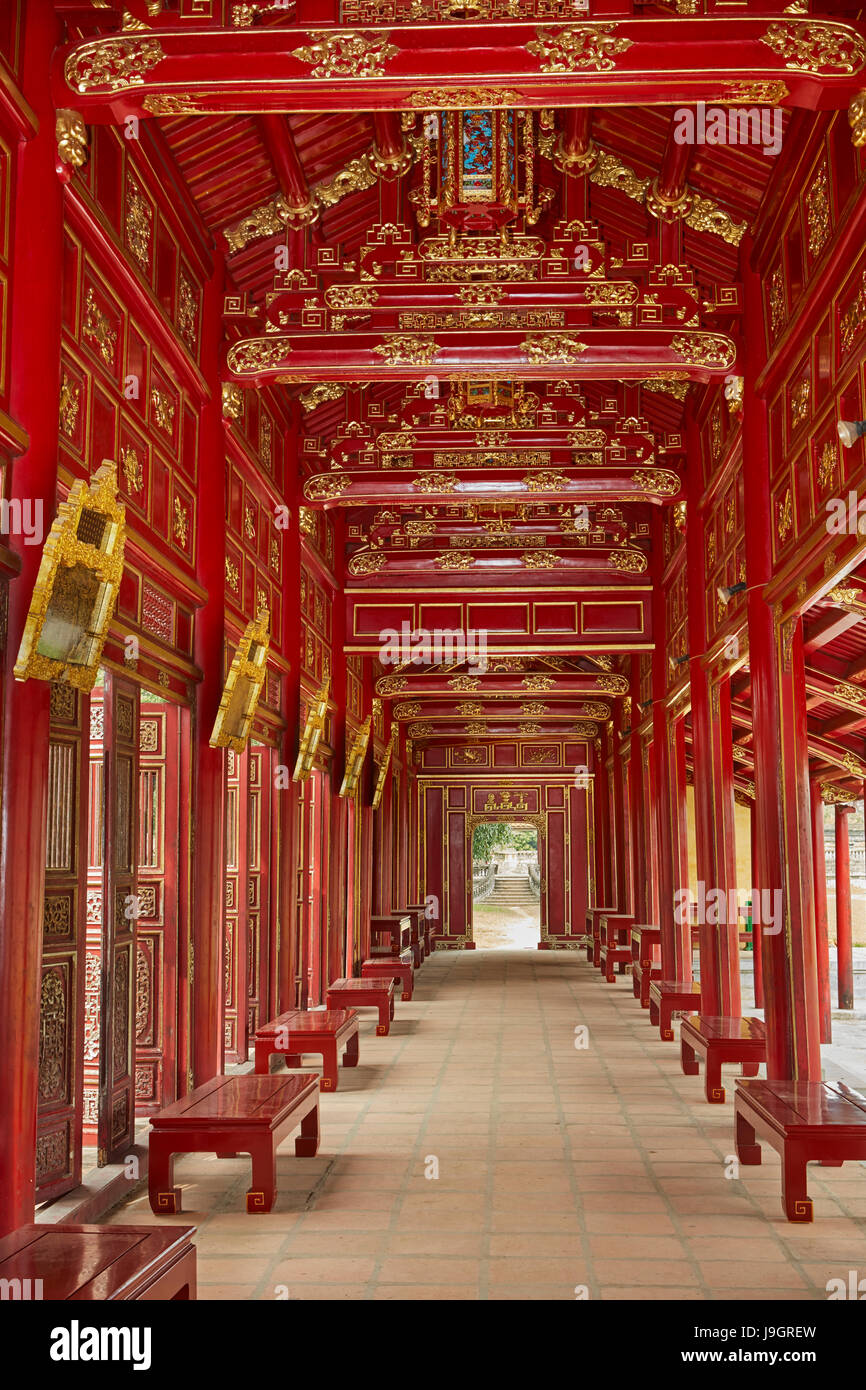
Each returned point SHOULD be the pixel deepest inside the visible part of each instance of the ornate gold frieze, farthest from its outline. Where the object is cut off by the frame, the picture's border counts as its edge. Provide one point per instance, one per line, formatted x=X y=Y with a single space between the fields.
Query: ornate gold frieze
x=612 y=685
x=422 y=321
x=114 y=63
x=367 y=562
x=402 y=349
x=540 y=560
x=668 y=385
x=609 y=171
x=630 y=561
x=706 y=216
x=464 y=99
x=833 y=795
x=546 y=482
x=436 y=482
x=657 y=481
x=704 y=349
x=465 y=683
x=321 y=392
x=848 y=693
x=324 y=487
x=534 y=707
x=857 y=119
x=454 y=560
x=252 y=355
x=578 y=48
x=346 y=54
x=391 y=685
x=538 y=683
x=509 y=458
x=817 y=47
x=561 y=349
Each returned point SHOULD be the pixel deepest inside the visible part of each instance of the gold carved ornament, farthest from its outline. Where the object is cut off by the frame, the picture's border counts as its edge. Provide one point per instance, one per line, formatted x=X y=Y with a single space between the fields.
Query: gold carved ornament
x=630 y=561
x=817 y=47
x=324 y=487
x=314 y=727
x=243 y=687
x=383 y=771
x=71 y=134
x=561 y=349
x=114 y=63
x=253 y=355
x=656 y=481
x=857 y=119
x=77 y=585
x=346 y=54
x=367 y=562
x=704 y=349
x=578 y=48
x=406 y=350
x=355 y=760
x=321 y=392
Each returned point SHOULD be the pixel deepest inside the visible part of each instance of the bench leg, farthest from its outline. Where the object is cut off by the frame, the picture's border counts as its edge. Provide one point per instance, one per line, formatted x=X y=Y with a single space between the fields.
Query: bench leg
x=386 y=1013
x=350 y=1058
x=713 y=1088
x=748 y=1149
x=263 y=1058
x=666 y=1032
x=307 y=1142
x=406 y=980
x=795 y=1199
x=163 y=1196
x=654 y=1012
x=292 y=1059
x=635 y=985
x=688 y=1059
x=330 y=1063
x=751 y=1068
x=261 y=1194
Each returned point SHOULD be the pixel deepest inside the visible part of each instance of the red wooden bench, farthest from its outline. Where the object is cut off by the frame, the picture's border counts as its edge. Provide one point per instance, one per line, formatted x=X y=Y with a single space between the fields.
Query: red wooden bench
x=593 y=918
x=327 y=1032
x=425 y=924
x=230 y=1115
x=393 y=967
x=390 y=935
x=101 y=1264
x=720 y=1040
x=646 y=960
x=802 y=1120
x=417 y=943
x=611 y=925
x=615 y=950
x=370 y=993
x=668 y=997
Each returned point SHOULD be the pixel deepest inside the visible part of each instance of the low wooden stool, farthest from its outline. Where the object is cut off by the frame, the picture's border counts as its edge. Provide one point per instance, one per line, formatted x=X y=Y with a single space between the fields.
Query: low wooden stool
x=327 y=1032
x=100 y=1264
x=667 y=997
x=372 y=992
x=391 y=967
x=720 y=1040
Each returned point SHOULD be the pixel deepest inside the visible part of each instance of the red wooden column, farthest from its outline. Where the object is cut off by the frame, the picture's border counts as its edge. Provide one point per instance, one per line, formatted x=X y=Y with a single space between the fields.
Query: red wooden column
x=34 y=402
x=668 y=781
x=619 y=835
x=289 y=798
x=822 y=944
x=637 y=794
x=781 y=758
x=844 y=955
x=757 y=934
x=601 y=811
x=209 y=763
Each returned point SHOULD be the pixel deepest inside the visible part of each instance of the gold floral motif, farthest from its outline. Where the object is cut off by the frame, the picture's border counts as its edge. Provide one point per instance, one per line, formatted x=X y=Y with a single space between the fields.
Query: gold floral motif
x=800 y=402
x=456 y=560
x=346 y=54
x=538 y=683
x=132 y=469
x=631 y=561
x=465 y=683
x=558 y=348
x=436 y=482
x=827 y=465
x=816 y=47
x=530 y=729
x=252 y=355
x=393 y=442
x=857 y=119
x=610 y=172
x=546 y=482
x=351 y=296
x=706 y=216
x=180 y=523
x=113 y=63
x=402 y=350
x=833 y=795
x=408 y=709
x=475 y=729
x=138 y=225
x=667 y=387
x=470 y=707
x=778 y=311
x=324 y=487
x=540 y=560
x=163 y=409
x=321 y=392
x=785 y=517
x=71 y=135
x=612 y=685
x=704 y=349
x=818 y=212
x=850 y=694
x=70 y=398
x=420 y=730
x=233 y=577
x=657 y=481
x=464 y=99
x=97 y=327
x=391 y=685
x=367 y=562
x=534 y=707
x=579 y=47
x=186 y=311
x=854 y=317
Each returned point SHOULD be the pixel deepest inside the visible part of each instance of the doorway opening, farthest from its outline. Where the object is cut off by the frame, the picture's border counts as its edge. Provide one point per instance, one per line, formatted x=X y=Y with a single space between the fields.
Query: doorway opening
x=506 y=887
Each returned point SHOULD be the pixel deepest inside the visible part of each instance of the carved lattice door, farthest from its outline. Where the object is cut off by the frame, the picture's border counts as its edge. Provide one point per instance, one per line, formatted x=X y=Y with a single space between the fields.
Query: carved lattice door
x=61 y=1022
x=116 y=1109
x=237 y=908
x=159 y=905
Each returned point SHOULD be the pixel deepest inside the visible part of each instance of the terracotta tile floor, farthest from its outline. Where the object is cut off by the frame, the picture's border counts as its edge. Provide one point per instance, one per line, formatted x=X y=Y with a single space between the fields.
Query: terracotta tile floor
x=559 y=1169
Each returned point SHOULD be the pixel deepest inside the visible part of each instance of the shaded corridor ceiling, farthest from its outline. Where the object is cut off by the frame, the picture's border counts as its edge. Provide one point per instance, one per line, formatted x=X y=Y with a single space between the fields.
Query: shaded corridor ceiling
x=666 y=224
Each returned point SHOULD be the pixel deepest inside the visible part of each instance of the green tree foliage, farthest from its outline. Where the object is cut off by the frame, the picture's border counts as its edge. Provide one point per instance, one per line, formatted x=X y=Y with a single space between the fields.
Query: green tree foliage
x=491 y=835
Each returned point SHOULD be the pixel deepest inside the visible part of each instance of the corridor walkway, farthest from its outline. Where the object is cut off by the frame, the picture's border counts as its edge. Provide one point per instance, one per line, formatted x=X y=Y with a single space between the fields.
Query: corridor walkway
x=559 y=1168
